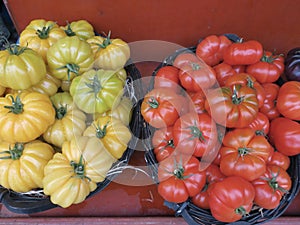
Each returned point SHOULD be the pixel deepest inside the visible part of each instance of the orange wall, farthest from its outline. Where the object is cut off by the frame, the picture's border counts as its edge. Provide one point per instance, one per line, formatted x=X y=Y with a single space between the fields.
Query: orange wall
x=273 y=22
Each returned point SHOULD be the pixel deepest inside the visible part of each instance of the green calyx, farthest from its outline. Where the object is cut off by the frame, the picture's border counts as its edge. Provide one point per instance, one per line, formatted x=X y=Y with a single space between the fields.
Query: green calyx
x=101 y=132
x=79 y=168
x=14 y=153
x=69 y=32
x=240 y=211
x=243 y=151
x=235 y=99
x=153 y=103
x=95 y=86
x=15 y=49
x=71 y=68
x=17 y=105
x=44 y=32
x=106 y=42
x=60 y=112
x=197 y=133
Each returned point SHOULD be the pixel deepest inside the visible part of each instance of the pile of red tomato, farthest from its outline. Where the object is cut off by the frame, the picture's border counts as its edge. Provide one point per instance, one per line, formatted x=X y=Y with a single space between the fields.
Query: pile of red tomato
x=224 y=130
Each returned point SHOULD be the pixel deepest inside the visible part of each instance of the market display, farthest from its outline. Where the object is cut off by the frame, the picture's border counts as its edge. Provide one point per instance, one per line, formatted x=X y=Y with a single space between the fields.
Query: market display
x=66 y=117
x=230 y=152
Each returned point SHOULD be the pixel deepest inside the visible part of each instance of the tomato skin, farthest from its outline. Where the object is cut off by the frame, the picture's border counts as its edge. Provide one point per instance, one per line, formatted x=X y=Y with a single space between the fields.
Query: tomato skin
x=194 y=134
x=163 y=143
x=69 y=52
x=233 y=107
x=288 y=100
x=249 y=81
x=260 y=124
x=180 y=178
x=211 y=49
x=285 y=134
x=230 y=198
x=161 y=107
x=268 y=69
x=213 y=174
x=271 y=186
x=223 y=71
x=279 y=159
x=197 y=102
x=167 y=77
x=243 y=53
x=81 y=28
x=244 y=154
x=269 y=107
x=36 y=116
x=194 y=74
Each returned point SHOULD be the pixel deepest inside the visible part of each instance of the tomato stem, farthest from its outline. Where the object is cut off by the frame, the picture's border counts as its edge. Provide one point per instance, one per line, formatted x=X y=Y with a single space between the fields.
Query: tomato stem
x=71 y=68
x=44 y=32
x=69 y=32
x=15 y=153
x=235 y=99
x=241 y=211
x=100 y=133
x=195 y=66
x=79 y=169
x=60 y=112
x=153 y=103
x=14 y=49
x=243 y=151
x=197 y=133
x=17 y=105
x=106 y=42
x=95 y=85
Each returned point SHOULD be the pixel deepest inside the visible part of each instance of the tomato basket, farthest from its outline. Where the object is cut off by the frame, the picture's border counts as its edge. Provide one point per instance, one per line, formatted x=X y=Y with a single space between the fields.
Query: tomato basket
x=193 y=214
x=36 y=201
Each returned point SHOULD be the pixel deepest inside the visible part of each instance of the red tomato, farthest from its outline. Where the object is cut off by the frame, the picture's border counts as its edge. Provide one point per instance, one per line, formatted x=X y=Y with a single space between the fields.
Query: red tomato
x=167 y=77
x=268 y=69
x=194 y=134
x=288 y=100
x=163 y=143
x=231 y=198
x=194 y=74
x=244 y=154
x=239 y=68
x=233 y=107
x=243 y=53
x=197 y=102
x=180 y=178
x=279 y=159
x=161 y=107
x=211 y=49
x=285 y=134
x=223 y=71
x=213 y=174
x=269 y=107
x=271 y=186
x=260 y=124
x=248 y=80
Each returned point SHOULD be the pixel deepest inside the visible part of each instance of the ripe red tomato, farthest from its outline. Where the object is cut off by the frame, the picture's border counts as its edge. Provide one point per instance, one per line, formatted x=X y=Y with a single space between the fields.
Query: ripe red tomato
x=271 y=186
x=250 y=81
x=194 y=134
x=269 y=107
x=180 y=178
x=244 y=154
x=194 y=75
x=223 y=71
x=211 y=49
x=279 y=159
x=243 y=53
x=288 y=100
x=161 y=107
x=285 y=134
x=197 y=102
x=268 y=69
x=213 y=174
x=167 y=77
x=260 y=124
x=231 y=198
x=163 y=143
x=233 y=107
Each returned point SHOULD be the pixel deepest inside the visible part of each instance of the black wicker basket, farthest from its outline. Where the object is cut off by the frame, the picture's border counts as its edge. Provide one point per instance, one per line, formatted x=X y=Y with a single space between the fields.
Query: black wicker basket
x=35 y=201
x=191 y=213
